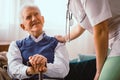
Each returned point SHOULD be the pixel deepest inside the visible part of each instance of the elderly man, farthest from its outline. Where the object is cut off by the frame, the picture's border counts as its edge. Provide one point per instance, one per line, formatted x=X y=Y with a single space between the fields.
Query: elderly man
x=44 y=53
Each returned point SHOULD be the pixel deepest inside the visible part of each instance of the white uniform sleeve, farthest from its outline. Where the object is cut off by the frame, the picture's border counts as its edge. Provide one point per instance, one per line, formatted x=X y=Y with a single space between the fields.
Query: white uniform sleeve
x=16 y=68
x=60 y=67
x=77 y=10
x=96 y=10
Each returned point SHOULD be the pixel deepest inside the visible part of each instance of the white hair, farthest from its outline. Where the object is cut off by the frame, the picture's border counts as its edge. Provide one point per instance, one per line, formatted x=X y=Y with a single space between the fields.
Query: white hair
x=24 y=6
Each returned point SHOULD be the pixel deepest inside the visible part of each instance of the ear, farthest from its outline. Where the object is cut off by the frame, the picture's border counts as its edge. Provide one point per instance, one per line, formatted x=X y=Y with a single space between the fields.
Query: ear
x=22 y=26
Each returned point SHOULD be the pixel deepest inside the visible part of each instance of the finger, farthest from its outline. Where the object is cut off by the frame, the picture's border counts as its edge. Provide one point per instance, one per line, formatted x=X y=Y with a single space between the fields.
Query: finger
x=40 y=60
x=30 y=57
x=42 y=69
x=34 y=59
x=37 y=67
x=43 y=60
x=33 y=63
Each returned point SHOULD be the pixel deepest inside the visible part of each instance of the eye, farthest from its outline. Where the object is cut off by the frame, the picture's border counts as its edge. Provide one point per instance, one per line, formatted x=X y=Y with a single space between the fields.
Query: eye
x=36 y=14
x=28 y=17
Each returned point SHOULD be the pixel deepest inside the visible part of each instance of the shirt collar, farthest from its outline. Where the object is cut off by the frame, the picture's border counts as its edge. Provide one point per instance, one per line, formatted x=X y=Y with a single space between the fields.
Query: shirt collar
x=39 y=38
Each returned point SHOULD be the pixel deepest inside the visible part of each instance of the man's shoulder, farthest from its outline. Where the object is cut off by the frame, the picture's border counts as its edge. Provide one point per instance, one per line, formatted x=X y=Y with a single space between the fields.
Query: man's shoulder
x=23 y=41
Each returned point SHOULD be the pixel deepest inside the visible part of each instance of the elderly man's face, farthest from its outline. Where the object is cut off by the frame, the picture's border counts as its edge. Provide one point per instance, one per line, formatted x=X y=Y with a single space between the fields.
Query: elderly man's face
x=32 y=21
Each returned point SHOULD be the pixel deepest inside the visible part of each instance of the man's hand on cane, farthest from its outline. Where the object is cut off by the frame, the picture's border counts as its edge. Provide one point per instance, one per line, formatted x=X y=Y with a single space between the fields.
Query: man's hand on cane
x=38 y=64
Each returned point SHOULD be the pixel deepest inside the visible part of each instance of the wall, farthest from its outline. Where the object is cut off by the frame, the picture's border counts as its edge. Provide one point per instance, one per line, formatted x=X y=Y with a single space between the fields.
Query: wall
x=82 y=45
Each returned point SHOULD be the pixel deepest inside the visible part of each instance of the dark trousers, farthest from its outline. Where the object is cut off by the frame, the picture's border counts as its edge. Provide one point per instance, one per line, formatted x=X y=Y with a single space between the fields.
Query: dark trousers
x=84 y=70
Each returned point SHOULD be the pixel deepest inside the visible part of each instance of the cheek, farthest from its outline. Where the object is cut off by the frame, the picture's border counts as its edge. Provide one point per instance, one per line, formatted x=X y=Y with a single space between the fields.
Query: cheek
x=27 y=26
x=27 y=23
x=42 y=20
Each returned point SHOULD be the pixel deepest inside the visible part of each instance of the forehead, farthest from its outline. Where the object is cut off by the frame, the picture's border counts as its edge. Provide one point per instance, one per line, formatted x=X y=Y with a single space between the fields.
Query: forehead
x=29 y=10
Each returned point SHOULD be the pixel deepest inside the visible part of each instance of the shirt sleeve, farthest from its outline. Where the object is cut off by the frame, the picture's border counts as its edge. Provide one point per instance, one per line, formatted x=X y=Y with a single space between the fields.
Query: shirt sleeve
x=96 y=10
x=60 y=67
x=16 y=68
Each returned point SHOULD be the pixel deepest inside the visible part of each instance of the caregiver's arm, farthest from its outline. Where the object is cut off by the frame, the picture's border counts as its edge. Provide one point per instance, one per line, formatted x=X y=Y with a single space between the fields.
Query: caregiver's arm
x=75 y=32
x=101 y=44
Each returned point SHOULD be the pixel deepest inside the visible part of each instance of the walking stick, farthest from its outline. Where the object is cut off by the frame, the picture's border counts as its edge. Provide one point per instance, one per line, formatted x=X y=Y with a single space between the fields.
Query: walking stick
x=40 y=76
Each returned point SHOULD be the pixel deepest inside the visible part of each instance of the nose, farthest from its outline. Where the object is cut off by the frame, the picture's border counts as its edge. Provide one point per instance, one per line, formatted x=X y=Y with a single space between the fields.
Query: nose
x=34 y=18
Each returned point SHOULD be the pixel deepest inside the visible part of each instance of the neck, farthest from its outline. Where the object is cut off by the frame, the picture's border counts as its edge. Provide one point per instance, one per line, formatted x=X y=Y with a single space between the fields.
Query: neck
x=36 y=35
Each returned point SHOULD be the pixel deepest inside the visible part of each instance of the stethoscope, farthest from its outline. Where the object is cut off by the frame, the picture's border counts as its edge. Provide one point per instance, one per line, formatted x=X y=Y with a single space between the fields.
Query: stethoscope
x=69 y=21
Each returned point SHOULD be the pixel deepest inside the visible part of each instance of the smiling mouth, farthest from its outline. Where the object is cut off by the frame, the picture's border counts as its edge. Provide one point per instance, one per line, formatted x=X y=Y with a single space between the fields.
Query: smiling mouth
x=36 y=23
